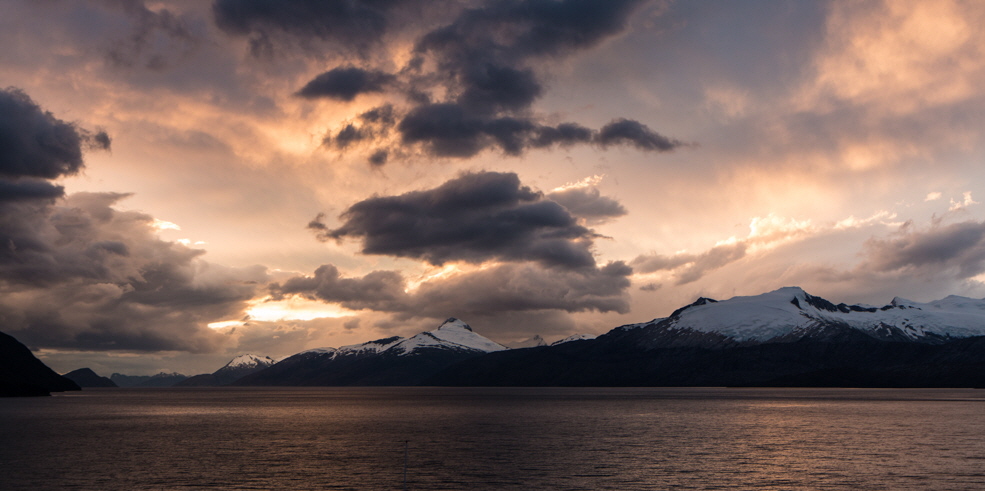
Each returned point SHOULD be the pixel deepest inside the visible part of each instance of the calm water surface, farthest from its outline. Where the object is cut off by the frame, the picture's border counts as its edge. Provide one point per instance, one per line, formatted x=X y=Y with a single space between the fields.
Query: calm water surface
x=461 y=438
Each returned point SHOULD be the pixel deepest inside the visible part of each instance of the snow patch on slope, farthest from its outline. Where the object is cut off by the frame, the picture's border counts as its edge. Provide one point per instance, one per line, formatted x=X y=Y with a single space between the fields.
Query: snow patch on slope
x=575 y=337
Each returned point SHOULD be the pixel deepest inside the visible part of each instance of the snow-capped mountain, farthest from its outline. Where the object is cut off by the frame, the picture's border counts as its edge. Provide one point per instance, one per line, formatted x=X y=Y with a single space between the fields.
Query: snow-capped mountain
x=791 y=314
x=452 y=334
x=237 y=368
x=389 y=361
x=248 y=361
x=782 y=338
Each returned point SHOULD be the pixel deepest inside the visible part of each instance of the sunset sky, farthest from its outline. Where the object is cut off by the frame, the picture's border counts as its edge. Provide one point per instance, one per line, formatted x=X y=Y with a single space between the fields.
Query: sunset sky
x=183 y=181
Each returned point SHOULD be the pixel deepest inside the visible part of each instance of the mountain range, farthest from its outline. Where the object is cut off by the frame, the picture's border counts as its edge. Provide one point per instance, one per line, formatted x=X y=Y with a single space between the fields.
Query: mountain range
x=786 y=337
x=87 y=378
x=781 y=338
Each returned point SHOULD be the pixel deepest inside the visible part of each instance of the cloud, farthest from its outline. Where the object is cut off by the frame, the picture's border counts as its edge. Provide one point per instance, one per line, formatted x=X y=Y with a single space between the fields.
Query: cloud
x=452 y=130
x=77 y=273
x=115 y=284
x=528 y=287
x=485 y=292
x=472 y=76
x=34 y=143
x=690 y=267
x=379 y=290
x=957 y=249
x=588 y=203
x=357 y=24
x=626 y=131
x=156 y=41
x=765 y=234
x=29 y=189
x=345 y=83
x=964 y=203
x=475 y=218
x=507 y=250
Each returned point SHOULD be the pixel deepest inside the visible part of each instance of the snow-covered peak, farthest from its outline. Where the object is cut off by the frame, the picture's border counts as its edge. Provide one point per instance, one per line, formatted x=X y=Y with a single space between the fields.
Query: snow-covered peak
x=249 y=361
x=453 y=323
x=904 y=303
x=452 y=334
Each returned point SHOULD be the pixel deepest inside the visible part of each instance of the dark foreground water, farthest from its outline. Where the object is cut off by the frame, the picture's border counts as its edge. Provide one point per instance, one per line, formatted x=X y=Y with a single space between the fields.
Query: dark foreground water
x=345 y=438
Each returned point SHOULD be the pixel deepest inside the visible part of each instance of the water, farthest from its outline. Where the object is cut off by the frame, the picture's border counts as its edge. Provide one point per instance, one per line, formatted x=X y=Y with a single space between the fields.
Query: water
x=460 y=438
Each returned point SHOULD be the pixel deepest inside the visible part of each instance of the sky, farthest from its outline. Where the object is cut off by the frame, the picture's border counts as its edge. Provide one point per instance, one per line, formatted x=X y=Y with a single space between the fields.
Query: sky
x=184 y=181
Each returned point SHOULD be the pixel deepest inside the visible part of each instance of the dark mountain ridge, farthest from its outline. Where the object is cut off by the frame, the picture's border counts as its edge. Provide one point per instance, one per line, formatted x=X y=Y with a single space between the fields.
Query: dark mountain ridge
x=85 y=377
x=22 y=374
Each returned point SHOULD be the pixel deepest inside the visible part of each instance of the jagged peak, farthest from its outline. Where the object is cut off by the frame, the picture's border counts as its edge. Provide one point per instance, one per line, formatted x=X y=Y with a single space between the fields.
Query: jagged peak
x=901 y=302
x=453 y=323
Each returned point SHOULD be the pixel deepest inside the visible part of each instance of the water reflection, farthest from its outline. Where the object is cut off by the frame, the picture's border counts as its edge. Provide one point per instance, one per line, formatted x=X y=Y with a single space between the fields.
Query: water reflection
x=343 y=438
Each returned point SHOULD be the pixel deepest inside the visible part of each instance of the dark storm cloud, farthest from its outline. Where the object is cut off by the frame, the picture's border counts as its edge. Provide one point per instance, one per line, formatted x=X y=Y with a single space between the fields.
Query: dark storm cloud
x=627 y=131
x=379 y=290
x=358 y=23
x=34 y=143
x=488 y=292
x=451 y=130
x=345 y=83
x=474 y=218
x=588 y=203
x=347 y=136
x=528 y=287
x=958 y=247
x=508 y=32
x=29 y=189
x=472 y=80
x=563 y=134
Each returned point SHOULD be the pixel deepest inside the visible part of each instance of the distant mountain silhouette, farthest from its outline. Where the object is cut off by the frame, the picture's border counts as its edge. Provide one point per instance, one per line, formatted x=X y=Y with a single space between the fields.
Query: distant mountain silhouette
x=162 y=379
x=22 y=374
x=85 y=377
